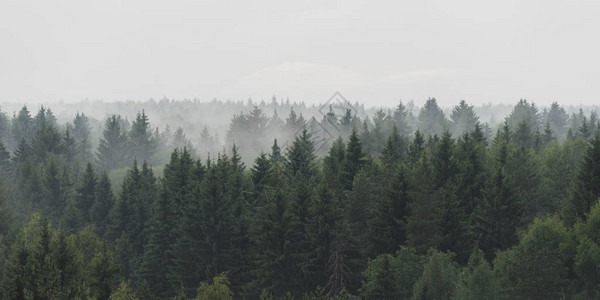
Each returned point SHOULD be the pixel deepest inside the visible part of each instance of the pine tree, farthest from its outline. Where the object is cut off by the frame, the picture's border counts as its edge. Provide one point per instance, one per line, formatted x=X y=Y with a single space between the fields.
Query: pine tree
x=22 y=126
x=586 y=185
x=557 y=121
x=387 y=226
x=300 y=157
x=394 y=150
x=443 y=162
x=477 y=280
x=53 y=192
x=46 y=140
x=415 y=149
x=259 y=173
x=103 y=202
x=141 y=143
x=5 y=212
x=501 y=211
x=5 y=166
x=81 y=134
x=275 y=155
x=320 y=228
x=432 y=120
x=111 y=151
x=270 y=241
x=438 y=279
x=102 y=272
x=400 y=119
x=86 y=192
x=463 y=118
x=354 y=159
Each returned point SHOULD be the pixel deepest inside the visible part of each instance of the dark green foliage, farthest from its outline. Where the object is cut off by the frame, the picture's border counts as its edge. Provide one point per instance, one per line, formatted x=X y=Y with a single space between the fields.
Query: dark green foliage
x=501 y=210
x=300 y=156
x=392 y=276
x=438 y=279
x=271 y=239
x=587 y=258
x=103 y=202
x=378 y=217
x=538 y=267
x=586 y=185
x=354 y=159
x=387 y=225
x=260 y=172
x=86 y=193
x=415 y=149
x=394 y=150
x=477 y=280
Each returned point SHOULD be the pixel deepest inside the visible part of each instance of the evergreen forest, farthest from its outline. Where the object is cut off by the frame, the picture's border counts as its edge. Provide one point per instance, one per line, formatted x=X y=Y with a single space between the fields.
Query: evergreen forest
x=330 y=202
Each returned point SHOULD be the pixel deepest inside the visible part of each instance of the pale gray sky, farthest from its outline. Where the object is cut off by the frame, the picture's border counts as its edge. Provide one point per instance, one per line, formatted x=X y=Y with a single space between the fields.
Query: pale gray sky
x=372 y=51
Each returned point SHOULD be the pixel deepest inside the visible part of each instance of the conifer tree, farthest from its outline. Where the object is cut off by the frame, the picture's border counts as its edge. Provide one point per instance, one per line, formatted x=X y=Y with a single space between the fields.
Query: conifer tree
x=320 y=227
x=463 y=118
x=103 y=201
x=275 y=155
x=111 y=151
x=586 y=185
x=259 y=173
x=477 y=280
x=387 y=225
x=300 y=156
x=141 y=143
x=501 y=211
x=432 y=120
x=415 y=149
x=86 y=193
x=394 y=150
x=354 y=159
x=438 y=279
x=81 y=134
x=273 y=260
x=22 y=126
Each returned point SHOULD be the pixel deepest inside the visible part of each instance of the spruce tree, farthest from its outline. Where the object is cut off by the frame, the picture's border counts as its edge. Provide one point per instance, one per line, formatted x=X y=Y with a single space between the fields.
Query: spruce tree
x=394 y=150
x=141 y=144
x=415 y=149
x=86 y=192
x=387 y=225
x=103 y=201
x=111 y=151
x=500 y=212
x=586 y=186
x=438 y=279
x=354 y=159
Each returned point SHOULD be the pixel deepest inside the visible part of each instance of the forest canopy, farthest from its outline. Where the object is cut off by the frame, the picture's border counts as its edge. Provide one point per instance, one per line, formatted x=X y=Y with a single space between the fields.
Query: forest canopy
x=282 y=200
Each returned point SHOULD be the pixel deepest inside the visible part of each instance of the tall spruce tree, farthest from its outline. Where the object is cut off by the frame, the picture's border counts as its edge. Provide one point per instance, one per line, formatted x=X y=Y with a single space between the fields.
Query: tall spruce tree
x=586 y=186
x=141 y=144
x=111 y=152
x=86 y=193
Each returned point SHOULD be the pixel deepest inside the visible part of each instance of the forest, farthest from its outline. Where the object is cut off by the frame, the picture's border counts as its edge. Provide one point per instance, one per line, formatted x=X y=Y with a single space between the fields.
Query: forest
x=329 y=202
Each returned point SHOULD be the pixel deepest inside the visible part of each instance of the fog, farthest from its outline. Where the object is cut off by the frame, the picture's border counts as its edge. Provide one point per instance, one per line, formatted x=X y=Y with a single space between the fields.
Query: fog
x=375 y=53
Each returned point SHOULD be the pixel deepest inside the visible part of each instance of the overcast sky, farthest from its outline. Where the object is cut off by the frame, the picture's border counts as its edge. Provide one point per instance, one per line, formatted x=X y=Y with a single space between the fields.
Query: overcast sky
x=371 y=51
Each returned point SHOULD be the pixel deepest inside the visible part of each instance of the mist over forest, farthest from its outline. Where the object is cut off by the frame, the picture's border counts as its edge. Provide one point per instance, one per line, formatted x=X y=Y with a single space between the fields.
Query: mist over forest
x=282 y=200
x=214 y=126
